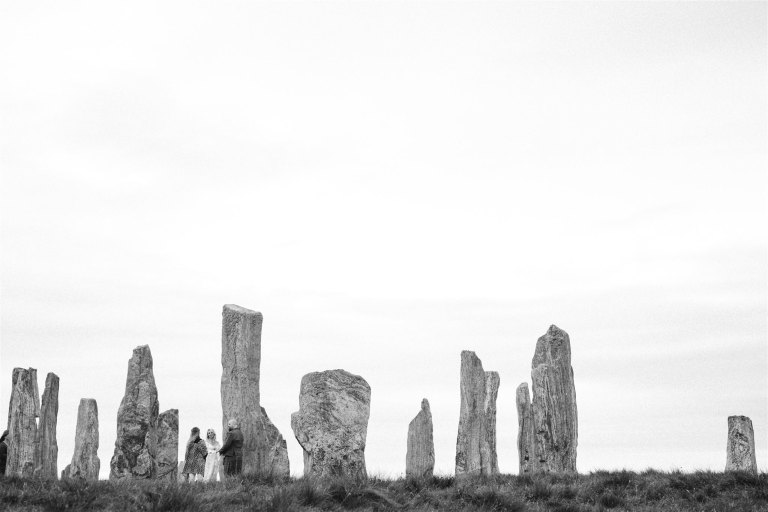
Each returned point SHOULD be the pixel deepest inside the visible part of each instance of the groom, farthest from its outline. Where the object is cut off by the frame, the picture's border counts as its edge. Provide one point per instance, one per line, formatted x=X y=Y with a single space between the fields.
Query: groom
x=233 y=449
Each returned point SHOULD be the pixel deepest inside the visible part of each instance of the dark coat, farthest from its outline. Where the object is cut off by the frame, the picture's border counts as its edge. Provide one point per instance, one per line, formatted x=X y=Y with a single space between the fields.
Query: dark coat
x=194 y=462
x=233 y=445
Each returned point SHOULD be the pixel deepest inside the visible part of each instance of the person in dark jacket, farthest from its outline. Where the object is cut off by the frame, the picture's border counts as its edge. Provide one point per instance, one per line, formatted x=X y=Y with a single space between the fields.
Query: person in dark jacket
x=233 y=450
x=194 y=462
x=3 y=452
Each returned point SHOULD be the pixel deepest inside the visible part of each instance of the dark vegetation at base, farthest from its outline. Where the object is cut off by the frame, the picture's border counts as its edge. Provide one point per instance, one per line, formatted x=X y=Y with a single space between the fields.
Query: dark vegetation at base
x=599 y=491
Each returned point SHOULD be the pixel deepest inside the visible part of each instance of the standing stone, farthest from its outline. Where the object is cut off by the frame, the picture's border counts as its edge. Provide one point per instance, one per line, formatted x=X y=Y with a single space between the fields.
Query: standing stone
x=22 y=425
x=85 y=461
x=555 y=422
x=472 y=419
x=489 y=459
x=331 y=424
x=420 y=454
x=167 y=445
x=741 y=445
x=136 y=443
x=180 y=476
x=264 y=449
x=525 y=430
x=47 y=452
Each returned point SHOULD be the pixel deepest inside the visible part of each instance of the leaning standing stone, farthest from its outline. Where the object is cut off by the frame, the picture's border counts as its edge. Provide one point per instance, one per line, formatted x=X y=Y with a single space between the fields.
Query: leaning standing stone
x=136 y=444
x=489 y=460
x=22 y=425
x=167 y=445
x=741 y=445
x=331 y=424
x=525 y=430
x=85 y=461
x=420 y=453
x=555 y=422
x=264 y=449
x=472 y=419
x=47 y=449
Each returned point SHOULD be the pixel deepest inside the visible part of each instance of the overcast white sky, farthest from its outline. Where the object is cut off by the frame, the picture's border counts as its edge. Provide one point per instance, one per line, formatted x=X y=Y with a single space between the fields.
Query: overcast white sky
x=390 y=183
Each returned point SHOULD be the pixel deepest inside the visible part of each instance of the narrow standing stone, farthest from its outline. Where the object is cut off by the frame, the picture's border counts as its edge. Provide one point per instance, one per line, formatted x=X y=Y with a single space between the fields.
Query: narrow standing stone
x=264 y=450
x=47 y=453
x=741 y=445
x=168 y=445
x=85 y=461
x=136 y=443
x=472 y=419
x=331 y=424
x=420 y=452
x=22 y=426
x=555 y=417
x=489 y=459
x=525 y=430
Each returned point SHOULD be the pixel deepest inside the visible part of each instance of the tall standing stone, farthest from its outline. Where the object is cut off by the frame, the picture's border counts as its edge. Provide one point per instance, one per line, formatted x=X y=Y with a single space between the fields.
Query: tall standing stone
x=22 y=424
x=47 y=453
x=136 y=443
x=420 y=453
x=555 y=419
x=741 y=445
x=489 y=459
x=264 y=449
x=525 y=430
x=472 y=419
x=168 y=445
x=85 y=461
x=331 y=424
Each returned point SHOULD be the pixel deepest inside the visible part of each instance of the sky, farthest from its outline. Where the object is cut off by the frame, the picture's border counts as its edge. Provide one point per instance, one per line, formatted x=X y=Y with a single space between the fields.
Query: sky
x=391 y=183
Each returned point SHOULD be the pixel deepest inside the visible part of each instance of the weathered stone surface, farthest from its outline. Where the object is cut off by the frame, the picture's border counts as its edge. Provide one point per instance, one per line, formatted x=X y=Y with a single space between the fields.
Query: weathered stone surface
x=472 y=419
x=47 y=450
x=555 y=419
x=420 y=453
x=276 y=460
x=331 y=424
x=264 y=450
x=488 y=457
x=525 y=430
x=741 y=445
x=167 y=445
x=85 y=461
x=136 y=443
x=22 y=424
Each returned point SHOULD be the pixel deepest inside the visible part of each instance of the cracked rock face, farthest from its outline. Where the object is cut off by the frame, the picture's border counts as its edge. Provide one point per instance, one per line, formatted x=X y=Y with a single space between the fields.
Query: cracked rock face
x=489 y=459
x=420 y=453
x=472 y=447
x=47 y=453
x=85 y=461
x=741 y=445
x=555 y=419
x=264 y=449
x=331 y=424
x=167 y=445
x=22 y=423
x=136 y=443
x=525 y=430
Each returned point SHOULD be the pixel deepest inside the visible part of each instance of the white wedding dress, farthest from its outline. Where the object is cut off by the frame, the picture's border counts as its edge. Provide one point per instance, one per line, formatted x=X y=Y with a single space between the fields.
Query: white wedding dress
x=212 y=461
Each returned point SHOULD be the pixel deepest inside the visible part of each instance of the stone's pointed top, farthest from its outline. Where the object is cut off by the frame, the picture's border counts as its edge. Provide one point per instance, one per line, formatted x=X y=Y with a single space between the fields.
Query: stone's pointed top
x=424 y=404
x=142 y=348
x=553 y=347
x=468 y=353
x=522 y=386
x=556 y=331
x=240 y=310
x=170 y=411
x=739 y=417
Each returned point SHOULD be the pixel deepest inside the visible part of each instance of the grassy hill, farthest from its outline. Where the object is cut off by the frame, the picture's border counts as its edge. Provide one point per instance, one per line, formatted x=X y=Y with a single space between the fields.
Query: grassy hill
x=599 y=491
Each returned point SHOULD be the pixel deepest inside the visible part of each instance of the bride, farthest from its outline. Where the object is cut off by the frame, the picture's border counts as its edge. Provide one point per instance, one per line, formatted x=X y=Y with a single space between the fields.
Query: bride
x=212 y=461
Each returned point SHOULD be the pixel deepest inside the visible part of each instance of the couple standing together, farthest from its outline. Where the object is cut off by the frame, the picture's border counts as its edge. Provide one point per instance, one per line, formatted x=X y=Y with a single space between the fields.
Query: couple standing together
x=202 y=457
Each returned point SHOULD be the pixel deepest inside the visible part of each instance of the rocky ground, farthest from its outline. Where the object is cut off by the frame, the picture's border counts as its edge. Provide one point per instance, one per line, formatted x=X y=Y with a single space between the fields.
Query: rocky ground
x=647 y=491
